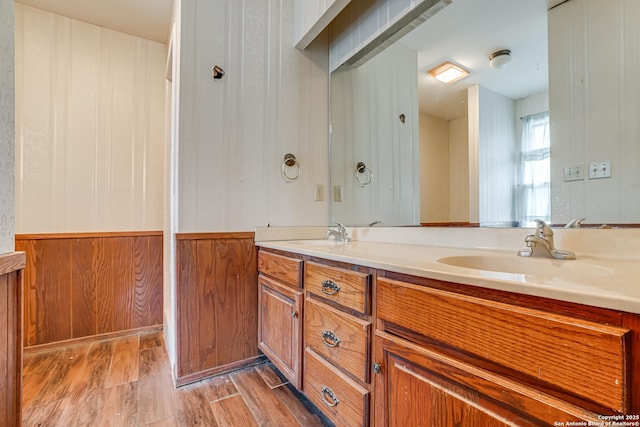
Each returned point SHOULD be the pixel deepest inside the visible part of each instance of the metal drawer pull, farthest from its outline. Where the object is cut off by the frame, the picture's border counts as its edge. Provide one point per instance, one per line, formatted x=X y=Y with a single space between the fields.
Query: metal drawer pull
x=330 y=339
x=327 y=392
x=330 y=287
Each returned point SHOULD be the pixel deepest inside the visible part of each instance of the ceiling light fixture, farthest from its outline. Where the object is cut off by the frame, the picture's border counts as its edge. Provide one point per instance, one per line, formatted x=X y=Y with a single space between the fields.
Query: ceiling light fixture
x=448 y=72
x=500 y=58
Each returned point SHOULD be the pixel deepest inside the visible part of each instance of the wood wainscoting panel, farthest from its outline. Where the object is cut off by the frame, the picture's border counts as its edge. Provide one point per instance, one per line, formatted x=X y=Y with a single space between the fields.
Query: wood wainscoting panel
x=47 y=290
x=11 y=289
x=83 y=296
x=217 y=302
x=115 y=284
x=148 y=298
x=79 y=285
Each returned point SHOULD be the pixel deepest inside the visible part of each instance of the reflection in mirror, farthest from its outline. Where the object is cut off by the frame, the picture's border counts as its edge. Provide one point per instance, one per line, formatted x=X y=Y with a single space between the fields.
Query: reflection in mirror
x=366 y=106
x=494 y=148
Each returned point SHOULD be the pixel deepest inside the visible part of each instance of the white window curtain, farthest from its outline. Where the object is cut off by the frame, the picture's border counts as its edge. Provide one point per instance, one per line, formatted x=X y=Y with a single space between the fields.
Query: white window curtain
x=533 y=192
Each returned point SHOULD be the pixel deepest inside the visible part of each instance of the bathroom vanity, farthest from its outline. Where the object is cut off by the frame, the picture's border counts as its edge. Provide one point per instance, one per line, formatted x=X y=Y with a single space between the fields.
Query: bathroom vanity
x=417 y=334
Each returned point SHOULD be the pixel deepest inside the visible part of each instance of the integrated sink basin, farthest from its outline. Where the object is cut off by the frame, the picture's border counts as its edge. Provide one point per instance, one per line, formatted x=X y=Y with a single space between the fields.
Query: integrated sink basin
x=568 y=269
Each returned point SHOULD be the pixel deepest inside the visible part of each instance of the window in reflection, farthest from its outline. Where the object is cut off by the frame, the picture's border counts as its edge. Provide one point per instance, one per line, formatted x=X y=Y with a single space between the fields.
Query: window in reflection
x=533 y=189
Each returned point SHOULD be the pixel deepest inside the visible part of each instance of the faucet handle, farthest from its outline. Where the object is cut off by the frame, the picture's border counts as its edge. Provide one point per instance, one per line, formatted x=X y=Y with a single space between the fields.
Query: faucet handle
x=542 y=229
x=574 y=223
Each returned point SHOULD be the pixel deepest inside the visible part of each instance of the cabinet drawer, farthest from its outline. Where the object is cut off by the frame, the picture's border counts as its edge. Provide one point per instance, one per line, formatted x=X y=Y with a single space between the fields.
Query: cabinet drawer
x=341 y=399
x=346 y=287
x=339 y=337
x=287 y=270
x=552 y=350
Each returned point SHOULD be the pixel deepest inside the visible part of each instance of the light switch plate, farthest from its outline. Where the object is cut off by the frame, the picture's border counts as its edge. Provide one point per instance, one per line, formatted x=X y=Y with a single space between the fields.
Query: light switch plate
x=574 y=172
x=599 y=170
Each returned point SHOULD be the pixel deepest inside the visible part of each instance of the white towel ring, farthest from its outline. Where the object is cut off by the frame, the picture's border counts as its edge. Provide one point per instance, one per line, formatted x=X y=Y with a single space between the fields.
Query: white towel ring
x=362 y=169
x=290 y=161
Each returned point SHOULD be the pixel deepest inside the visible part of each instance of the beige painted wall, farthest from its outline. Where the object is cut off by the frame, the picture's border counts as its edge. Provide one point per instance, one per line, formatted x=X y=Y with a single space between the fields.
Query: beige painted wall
x=459 y=169
x=434 y=169
x=444 y=171
x=90 y=107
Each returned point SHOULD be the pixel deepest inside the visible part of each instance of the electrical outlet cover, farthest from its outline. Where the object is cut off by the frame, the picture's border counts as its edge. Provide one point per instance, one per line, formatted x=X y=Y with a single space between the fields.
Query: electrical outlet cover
x=337 y=193
x=319 y=193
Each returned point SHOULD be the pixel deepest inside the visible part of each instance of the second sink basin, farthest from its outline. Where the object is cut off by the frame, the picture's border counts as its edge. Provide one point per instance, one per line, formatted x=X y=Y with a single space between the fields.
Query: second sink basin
x=571 y=269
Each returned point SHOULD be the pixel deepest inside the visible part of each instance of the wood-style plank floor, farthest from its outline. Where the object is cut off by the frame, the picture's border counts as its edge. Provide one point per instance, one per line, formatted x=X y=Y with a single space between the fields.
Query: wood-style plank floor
x=127 y=382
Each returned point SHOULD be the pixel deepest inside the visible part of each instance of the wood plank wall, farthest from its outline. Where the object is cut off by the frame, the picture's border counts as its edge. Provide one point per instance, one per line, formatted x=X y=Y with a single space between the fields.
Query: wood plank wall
x=217 y=303
x=11 y=266
x=84 y=284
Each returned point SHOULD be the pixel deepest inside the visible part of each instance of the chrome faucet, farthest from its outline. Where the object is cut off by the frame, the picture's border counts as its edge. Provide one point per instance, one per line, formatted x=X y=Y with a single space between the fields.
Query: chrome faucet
x=339 y=233
x=544 y=237
x=575 y=223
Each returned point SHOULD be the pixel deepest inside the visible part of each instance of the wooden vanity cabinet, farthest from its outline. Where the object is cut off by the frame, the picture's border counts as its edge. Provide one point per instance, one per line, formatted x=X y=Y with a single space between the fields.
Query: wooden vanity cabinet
x=280 y=301
x=337 y=331
x=389 y=349
x=448 y=358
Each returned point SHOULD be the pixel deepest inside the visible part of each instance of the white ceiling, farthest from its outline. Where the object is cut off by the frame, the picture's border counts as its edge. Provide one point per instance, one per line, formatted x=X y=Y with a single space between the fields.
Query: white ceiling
x=149 y=19
x=465 y=33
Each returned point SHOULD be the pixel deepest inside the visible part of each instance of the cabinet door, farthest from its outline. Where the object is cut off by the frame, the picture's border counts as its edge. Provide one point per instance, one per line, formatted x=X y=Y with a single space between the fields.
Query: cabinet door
x=279 y=327
x=419 y=387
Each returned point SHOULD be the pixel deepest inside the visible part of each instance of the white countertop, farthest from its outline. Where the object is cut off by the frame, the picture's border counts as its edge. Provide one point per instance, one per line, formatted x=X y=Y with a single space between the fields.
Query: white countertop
x=592 y=279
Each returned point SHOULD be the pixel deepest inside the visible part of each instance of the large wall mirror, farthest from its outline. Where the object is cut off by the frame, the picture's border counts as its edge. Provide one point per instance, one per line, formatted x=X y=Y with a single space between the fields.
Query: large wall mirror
x=554 y=133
